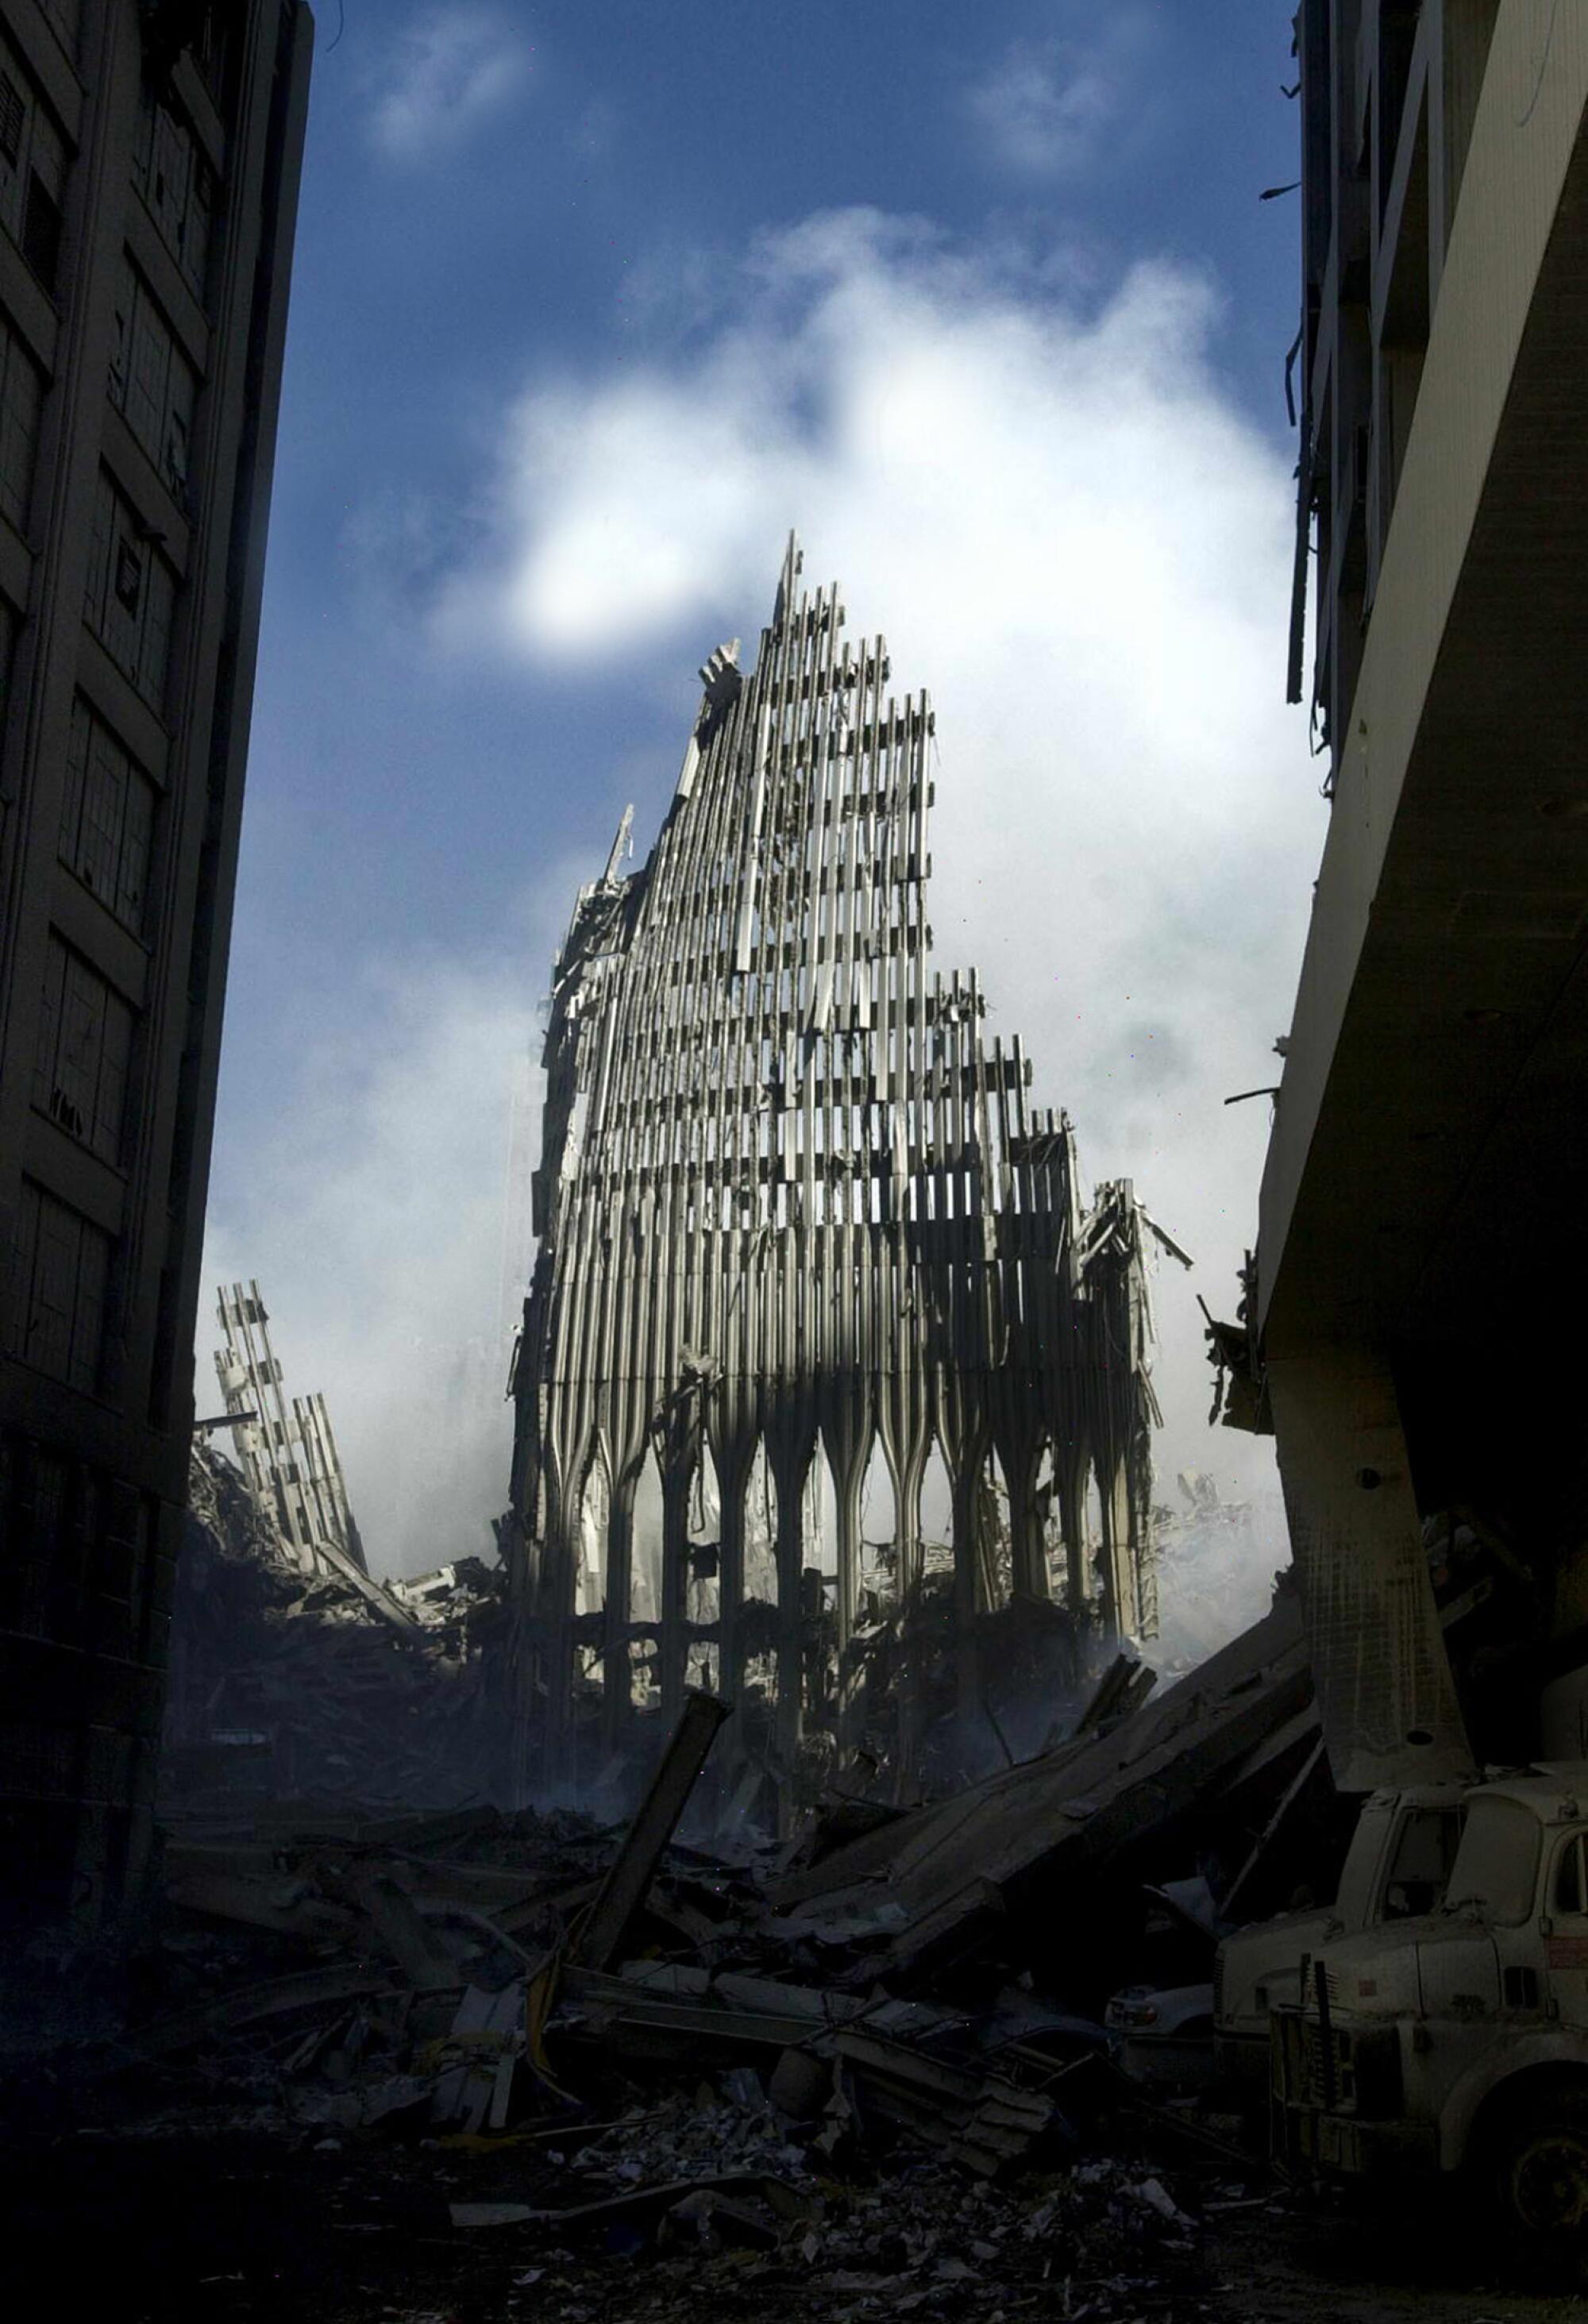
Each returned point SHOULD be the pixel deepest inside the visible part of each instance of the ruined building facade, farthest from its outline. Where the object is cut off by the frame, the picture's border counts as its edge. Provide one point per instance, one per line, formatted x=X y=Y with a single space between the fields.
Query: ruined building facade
x=1418 y=1244
x=285 y=1448
x=149 y=157
x=795 y=1210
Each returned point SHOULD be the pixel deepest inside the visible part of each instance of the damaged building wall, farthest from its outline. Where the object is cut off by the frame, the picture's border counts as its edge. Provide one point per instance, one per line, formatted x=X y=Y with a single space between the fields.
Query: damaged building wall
x=1416 y=1254
x=288 y=1453
x=296 y=1675
x=300 y=1689
x=793 y=1208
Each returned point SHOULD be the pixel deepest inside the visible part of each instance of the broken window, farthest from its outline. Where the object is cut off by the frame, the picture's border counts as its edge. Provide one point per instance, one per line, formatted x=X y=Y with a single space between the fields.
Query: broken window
x=84 y=1052
x=172 y=172
x=129 y=574
x=107 y=817
x=33 y=168
x=152 y=382
x=131 y=597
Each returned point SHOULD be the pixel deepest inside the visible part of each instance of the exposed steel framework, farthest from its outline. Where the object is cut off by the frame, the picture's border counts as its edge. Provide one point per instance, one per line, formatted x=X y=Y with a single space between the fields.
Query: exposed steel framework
x=793 y=1207
x=289 y=1456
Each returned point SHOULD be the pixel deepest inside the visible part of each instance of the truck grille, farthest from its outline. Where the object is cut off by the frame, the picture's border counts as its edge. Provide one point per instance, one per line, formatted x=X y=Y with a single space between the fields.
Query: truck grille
x=1301 y=2079
x=1336 y=2071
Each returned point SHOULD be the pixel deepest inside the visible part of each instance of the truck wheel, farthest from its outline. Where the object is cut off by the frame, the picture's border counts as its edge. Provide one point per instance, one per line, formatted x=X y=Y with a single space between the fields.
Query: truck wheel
x=1538 y=2166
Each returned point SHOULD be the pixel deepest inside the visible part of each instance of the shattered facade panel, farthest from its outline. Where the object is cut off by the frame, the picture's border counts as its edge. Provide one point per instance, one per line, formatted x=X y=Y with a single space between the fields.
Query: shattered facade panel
x=794 y=1208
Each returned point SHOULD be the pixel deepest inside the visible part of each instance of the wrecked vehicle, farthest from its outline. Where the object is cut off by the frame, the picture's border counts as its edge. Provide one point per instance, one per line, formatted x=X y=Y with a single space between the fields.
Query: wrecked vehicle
x=1396 y=1867
x=1167 y=2033
x=1457 y=2041
x=1163 y=2020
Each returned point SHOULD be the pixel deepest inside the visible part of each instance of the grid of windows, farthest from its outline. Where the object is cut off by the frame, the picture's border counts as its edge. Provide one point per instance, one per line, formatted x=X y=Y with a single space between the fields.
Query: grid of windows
x=151 y=381
x=62 y=1267
x=33 y=168
x=130 y=596
x=22 y=402
x=107 y=818
x=84 y=1053
x=177 y=185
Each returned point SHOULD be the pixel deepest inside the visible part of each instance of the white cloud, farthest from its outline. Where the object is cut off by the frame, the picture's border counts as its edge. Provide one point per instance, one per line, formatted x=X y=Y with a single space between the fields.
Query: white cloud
x=1046 y=107
x=445 y=69
x=373 y=1217
x=1083 y=547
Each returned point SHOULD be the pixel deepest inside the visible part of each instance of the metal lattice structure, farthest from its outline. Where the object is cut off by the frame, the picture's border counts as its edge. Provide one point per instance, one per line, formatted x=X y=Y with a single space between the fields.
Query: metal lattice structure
x=288 y=1452
x=792 y=1207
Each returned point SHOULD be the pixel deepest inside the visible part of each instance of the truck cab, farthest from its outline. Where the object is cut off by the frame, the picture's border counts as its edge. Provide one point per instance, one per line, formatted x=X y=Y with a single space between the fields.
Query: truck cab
x=1395 y=1869
x=1458 y=2039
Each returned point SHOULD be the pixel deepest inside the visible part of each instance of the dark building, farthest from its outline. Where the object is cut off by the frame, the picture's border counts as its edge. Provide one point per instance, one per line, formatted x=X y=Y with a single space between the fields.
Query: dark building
x=1421 y=1269
x=148 y=164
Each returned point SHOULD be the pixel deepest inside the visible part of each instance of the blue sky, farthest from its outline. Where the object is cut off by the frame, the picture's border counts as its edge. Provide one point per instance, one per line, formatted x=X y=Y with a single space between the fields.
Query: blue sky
x=590 y=304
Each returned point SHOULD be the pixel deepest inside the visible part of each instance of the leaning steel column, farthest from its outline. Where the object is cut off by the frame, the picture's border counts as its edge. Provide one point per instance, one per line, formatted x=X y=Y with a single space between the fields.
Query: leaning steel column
x=599 y=1943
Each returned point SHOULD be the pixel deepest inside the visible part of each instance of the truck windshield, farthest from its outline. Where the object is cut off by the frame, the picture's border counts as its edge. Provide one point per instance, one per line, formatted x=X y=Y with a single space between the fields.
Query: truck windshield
x=1497 y=1864
x=1423 y=1850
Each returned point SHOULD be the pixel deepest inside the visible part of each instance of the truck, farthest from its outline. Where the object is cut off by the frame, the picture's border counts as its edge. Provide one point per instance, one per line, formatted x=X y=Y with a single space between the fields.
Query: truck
x=1395 y=1868
x=1455 y=2041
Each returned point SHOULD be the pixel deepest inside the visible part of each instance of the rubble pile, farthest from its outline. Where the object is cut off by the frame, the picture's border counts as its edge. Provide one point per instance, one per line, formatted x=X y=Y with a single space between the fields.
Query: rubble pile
x=916 y=1734
x=936 y=1960
x=478 y=2063
x=321 y=1686
x=410 y=2006
x=750 y=2213
x=917 y=1725
x=862 y=2071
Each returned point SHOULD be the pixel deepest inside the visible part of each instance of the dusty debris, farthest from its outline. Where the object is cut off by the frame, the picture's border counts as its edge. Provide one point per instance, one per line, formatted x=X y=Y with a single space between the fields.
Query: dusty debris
x=990 y=1868
x=317 y=1685
x=516 y=1970
x=767 y=2089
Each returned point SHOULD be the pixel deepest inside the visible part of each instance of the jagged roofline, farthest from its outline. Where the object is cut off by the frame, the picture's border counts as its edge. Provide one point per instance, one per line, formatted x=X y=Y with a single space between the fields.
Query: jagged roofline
x=720 y=673
x=793 y=565
x=793 y=1202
